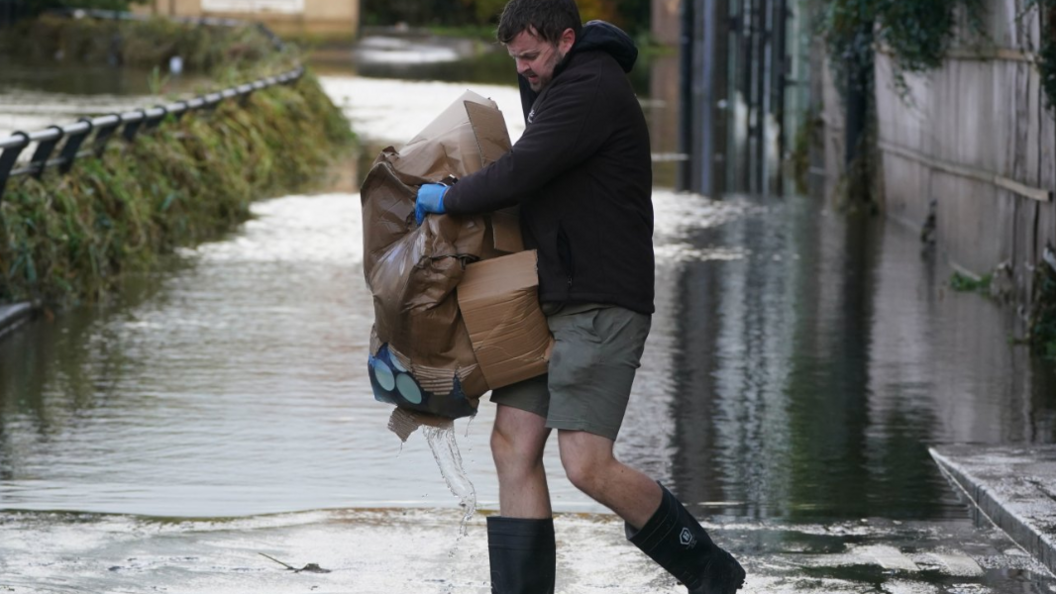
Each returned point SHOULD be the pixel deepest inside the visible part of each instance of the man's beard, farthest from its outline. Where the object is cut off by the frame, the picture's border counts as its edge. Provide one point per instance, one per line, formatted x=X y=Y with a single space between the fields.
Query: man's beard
x=542 y=83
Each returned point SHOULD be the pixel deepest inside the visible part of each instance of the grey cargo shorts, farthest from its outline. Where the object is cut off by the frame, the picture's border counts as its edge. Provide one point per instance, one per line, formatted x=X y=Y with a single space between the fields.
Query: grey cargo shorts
x=597 y=349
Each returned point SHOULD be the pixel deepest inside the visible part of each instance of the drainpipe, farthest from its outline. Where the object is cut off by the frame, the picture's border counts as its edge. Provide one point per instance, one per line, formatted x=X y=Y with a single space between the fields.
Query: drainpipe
x=685 y=91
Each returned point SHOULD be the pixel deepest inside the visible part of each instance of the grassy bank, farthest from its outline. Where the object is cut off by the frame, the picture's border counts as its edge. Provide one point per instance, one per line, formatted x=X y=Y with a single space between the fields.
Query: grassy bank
x=221 y=52
x=67 y=238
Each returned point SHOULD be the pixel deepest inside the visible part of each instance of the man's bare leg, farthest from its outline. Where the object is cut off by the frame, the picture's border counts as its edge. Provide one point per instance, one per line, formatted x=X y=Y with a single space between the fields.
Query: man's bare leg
x=691 y=556
x=517 y=443
x=592 y=468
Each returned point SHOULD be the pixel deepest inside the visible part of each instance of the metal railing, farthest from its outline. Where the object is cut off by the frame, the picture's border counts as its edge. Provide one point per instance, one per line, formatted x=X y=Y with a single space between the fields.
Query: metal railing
x=105 y=127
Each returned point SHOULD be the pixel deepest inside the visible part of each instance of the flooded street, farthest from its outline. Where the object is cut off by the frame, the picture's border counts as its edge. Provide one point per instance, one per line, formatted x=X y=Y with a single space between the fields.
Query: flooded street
x=35 y=95
x=800 y=364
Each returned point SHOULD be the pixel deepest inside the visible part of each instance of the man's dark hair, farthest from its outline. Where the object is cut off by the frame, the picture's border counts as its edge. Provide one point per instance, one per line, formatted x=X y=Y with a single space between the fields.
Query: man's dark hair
x=546 y=19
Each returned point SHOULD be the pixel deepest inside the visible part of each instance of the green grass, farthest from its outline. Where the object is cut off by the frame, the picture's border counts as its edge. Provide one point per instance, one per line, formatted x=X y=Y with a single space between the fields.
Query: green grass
x=967 y=284
x=70 y=238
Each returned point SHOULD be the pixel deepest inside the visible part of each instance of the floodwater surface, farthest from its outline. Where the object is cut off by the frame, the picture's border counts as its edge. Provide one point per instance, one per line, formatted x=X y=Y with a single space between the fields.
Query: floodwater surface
x=800 y=364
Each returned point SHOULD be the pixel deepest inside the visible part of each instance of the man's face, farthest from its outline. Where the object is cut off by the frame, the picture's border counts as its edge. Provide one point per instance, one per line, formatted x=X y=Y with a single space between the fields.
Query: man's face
x=536 y=59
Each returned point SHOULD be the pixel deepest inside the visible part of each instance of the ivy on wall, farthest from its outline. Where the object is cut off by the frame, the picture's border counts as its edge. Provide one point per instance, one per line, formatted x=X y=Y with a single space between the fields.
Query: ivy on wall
x=1047 y=51
x=918 y=33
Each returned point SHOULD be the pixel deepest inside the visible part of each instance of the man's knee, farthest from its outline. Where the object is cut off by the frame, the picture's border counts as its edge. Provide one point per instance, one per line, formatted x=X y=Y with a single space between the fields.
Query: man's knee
x=586 y=461
x=512 y=450
x=517 y=443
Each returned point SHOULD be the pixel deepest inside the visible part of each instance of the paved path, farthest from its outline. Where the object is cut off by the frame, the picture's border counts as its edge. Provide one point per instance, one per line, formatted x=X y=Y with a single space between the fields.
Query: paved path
x=1013 y=486
x=419 y=551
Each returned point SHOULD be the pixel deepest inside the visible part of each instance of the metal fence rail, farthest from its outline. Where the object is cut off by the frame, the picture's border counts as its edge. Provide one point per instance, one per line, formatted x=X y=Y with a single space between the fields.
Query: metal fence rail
x=105 y=127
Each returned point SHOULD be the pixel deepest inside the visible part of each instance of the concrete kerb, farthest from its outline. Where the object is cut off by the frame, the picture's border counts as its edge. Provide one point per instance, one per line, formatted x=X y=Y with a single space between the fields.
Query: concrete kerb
x=14 y=315
x=1013 y=487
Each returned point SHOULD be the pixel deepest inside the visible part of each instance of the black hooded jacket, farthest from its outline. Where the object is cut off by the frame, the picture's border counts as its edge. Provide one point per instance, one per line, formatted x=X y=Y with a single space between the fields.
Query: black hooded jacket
x=582 y=176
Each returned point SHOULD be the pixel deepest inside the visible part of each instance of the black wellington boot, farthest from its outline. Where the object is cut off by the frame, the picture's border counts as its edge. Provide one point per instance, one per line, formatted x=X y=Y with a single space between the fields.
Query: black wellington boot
x=522 y=554
x=675 y=540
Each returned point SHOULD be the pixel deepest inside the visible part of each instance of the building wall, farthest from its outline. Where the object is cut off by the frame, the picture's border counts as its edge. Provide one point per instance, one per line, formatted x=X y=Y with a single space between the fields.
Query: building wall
x=666 y=21
x=285 y=17
x=974 y=141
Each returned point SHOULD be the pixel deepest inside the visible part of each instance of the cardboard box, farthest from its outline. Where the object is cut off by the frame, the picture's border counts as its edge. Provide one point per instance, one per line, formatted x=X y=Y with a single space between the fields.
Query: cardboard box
x=499 y=300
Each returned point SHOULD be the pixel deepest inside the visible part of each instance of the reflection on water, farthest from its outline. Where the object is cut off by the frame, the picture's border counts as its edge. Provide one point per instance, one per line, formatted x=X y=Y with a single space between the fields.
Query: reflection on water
x=71 y=78
x=814 y=373
x=799 y=366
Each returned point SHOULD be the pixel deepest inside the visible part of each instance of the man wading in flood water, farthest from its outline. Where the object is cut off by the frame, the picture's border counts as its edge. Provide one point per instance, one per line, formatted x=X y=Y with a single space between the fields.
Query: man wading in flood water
x=581 y=174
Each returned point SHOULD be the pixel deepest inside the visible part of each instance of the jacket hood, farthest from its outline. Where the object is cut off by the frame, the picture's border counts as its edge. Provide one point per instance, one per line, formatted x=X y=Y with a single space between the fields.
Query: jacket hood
x=606 y=37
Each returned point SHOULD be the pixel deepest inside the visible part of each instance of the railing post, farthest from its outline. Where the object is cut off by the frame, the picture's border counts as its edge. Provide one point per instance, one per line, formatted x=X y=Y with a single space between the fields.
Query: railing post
x=103 y=135
x=179 y=114
x=152 y=123
x=72 y=146
x=39 y=162
x=9 y=157
x=132 y=126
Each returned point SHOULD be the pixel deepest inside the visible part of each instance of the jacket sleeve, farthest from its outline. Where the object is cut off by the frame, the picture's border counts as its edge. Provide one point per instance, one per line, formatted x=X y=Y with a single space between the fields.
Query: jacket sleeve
x=565 y=131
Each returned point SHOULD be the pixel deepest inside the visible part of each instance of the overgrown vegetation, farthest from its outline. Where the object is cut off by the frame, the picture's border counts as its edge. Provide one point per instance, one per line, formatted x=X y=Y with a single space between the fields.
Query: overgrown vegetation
x=70 y=237
x=225 y=53
x=1047 y=51
x=918 y=33
x=1042 y=322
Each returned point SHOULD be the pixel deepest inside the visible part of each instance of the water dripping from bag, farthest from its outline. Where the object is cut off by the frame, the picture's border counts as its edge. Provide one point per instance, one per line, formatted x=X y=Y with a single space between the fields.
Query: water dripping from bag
x=440 y=435
x=445 y=450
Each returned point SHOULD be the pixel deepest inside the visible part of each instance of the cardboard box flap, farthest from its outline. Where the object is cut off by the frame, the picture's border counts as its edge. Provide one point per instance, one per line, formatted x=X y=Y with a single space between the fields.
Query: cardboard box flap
x=497 y=276
x=506 y=230
x=489 y=129
x=451 y=118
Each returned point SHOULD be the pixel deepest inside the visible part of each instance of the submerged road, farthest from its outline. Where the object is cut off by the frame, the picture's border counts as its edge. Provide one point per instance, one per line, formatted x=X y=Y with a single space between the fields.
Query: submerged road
x=799 y=368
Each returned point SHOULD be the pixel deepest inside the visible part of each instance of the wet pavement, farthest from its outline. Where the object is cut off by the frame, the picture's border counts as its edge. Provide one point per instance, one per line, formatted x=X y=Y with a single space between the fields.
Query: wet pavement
x=1012 y=486
x=419 y=551
x=801 y=364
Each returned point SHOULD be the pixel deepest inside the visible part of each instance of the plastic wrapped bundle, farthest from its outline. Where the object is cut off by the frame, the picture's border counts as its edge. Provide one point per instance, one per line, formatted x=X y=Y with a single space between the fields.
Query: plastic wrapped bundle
x=421 y=357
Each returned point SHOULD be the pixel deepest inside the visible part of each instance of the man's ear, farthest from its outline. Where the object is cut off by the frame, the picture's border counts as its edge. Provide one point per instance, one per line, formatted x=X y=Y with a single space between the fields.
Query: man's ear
x=567 y=40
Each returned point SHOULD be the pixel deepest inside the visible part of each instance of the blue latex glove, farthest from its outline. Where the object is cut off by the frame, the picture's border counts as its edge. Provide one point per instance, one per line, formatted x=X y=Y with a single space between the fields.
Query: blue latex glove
x=430 y=200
